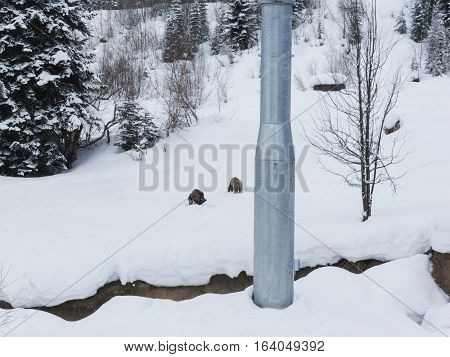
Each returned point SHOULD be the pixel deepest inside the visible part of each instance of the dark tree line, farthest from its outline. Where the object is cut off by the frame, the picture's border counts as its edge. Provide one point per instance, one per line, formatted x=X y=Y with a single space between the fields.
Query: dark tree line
x=422 y=17
x=430 y=25
x=186 y=28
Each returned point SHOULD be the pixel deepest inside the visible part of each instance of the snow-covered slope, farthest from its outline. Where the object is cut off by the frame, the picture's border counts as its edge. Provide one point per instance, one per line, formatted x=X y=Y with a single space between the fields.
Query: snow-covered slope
x=63 y=237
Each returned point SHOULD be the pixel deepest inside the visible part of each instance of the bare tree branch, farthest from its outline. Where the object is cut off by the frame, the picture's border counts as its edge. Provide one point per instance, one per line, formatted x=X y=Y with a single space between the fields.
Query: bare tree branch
x=351 y=126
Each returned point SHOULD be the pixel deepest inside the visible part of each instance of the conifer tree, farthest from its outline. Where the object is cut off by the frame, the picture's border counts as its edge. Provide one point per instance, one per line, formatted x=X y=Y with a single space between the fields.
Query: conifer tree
x=240 y=25
x=444 y=9
x=217 y=39
x=419 y=22
x=298 y=8
x=354 y=18
x=215 y=43
x=295 y=15
x=437 y=47
x=320 y=30
x=195 y=23
x=137 y=130
x=400 y=23
x=177 y=44
x=429 y=6
x=198 y=22
x=204 y=22
x=45 y=85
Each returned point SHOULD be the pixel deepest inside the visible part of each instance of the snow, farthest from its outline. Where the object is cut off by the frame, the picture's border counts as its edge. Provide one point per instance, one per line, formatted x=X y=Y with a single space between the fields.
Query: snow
x=55 y=231
x=329 y=302
x=392 y=119
x=438 y=319
x=328 y=78
x=45 y=77
x=60 y=56
x=75 y=220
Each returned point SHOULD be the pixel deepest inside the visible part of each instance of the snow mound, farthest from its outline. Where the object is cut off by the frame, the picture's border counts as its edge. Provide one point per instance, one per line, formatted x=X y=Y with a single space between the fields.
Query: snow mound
x=328 y=78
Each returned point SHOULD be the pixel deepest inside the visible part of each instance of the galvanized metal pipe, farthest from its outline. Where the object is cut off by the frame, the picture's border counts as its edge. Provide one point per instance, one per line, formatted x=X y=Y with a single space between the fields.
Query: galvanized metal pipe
x=273 y=280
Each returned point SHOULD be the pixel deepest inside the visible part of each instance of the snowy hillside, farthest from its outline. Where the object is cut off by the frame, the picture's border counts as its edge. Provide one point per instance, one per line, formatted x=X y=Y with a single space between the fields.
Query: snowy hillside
x=63 y=237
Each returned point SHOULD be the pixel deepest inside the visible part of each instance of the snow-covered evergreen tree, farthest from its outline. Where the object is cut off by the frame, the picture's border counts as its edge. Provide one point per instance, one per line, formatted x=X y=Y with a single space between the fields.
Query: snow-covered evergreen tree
x=429 y=7
x=298 y=11
x=195 y=26
x=103 y=4
x=419 y=22
x=444 y=9
x=295 y=14
x=354 y=13
x=177 y=44
x=204 y=22
x=137 y=130
x=400 y=23
x=46 y=80
x=217 y=39
x=241 y=25
x=437 y=47
x=198 y=22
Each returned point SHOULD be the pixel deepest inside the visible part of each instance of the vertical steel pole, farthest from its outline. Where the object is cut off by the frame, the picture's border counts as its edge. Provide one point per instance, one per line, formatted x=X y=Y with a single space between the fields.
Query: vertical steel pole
x=273 y=280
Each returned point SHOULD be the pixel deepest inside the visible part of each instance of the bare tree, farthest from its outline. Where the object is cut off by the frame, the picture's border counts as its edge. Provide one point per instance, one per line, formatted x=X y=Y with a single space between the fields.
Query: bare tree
x=123 y=64
x=351 y=129
x=181 y=88
x=6 y=316
x=221 y=77
x=122 y=68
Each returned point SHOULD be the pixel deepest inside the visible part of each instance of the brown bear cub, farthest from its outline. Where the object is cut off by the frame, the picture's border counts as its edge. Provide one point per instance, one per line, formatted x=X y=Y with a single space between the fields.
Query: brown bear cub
x=197 y=197
x=235 y=185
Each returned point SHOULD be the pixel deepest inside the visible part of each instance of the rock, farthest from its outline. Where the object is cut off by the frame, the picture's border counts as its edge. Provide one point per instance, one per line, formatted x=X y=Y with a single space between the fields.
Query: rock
x=441 y=270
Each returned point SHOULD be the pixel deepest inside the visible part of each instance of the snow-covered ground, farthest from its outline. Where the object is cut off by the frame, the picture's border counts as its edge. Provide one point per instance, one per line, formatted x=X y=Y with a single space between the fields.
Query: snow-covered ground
x=59 y=228
x=65 y=236
x=329 y=302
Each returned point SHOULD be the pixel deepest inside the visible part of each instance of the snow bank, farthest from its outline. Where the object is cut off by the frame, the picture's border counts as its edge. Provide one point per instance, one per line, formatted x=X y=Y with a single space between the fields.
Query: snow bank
x=329 y=302
x=437 y=319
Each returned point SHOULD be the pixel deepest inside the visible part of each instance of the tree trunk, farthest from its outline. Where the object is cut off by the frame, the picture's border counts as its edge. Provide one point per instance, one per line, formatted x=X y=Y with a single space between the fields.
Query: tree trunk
x=71 y=145
x=367 y=202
